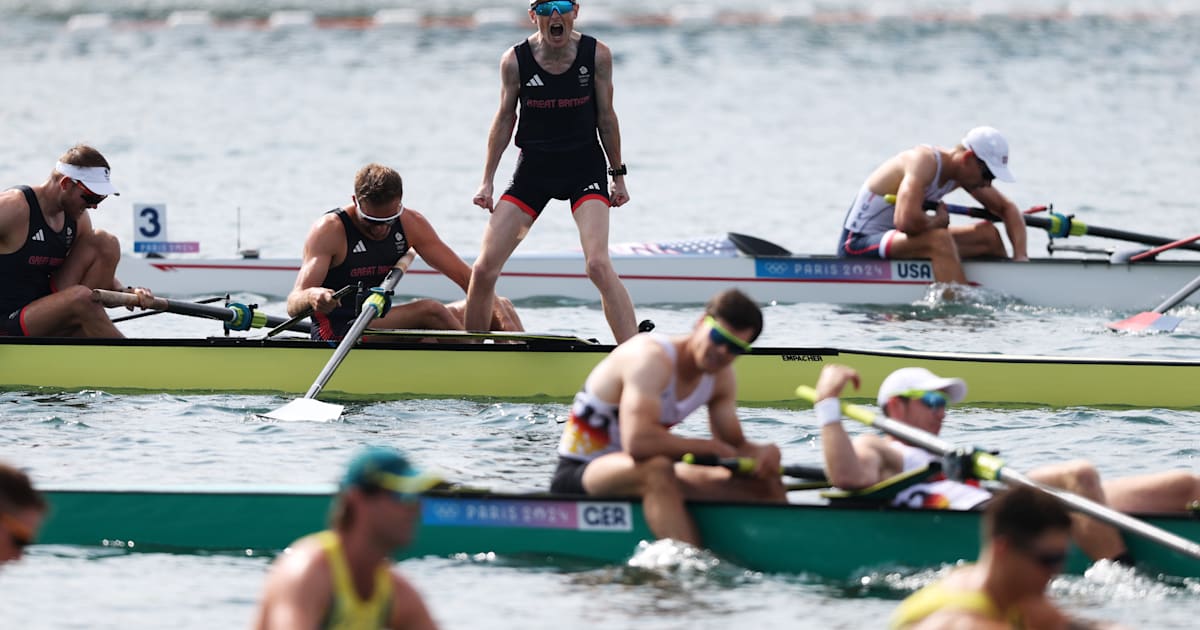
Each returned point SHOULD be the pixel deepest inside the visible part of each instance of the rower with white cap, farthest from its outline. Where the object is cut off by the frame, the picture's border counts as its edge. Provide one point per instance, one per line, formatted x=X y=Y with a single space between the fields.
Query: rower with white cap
x=888 y=218
x=51 y=257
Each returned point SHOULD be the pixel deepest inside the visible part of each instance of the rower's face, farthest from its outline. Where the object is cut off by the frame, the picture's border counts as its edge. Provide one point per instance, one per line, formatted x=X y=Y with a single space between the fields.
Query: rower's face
x=721 y=343
x=555 y=19
x=376 y=219
x=396 y=518
x=925 y=413
x=1042 y=559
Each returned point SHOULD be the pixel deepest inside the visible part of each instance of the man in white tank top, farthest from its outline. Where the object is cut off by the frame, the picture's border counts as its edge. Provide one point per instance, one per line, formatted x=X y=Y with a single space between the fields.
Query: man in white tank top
x=917 y=397
x=618 y=442
x=875 y=227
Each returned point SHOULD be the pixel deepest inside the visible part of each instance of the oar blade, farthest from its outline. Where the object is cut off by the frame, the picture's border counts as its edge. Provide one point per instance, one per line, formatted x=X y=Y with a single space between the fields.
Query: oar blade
x=306 y=410
x=1146 y=321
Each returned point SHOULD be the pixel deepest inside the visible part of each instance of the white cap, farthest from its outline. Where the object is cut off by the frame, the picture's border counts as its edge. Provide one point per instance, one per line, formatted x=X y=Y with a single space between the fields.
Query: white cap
x=920 y=379
x=96 y=178
x=989 y=145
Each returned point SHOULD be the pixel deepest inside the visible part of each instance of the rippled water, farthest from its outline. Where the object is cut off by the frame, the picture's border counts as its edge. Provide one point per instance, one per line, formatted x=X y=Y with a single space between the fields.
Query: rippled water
x=762 y=129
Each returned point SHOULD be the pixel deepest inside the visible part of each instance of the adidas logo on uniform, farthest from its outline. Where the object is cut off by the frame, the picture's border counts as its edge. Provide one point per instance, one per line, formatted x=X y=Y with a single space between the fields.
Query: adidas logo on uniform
x=593 y=186
x=360 y=248
x=536 y=81
x=39 y=236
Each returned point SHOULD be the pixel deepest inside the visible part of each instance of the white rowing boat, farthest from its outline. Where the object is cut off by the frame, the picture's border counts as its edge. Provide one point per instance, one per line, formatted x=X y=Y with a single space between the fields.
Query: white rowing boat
x=688 y=272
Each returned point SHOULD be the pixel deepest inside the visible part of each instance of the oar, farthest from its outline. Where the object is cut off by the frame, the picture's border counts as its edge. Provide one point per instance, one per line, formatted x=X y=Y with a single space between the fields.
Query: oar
x=308 y=407
x=1155 y=319
x=1150 y=253
x=1062 y=226
x=236 y=316
x=125 y=318
x=746 y=465
x=989 y=467
x=308 y=310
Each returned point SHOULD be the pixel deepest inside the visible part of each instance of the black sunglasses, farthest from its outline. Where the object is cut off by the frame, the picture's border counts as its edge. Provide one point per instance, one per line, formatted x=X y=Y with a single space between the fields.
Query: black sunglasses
x=985 y=171
x=89 y=197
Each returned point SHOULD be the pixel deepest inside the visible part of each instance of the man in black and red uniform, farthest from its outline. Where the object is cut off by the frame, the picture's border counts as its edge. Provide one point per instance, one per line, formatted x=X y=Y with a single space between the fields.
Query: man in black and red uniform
x=562 y=81
x=359 y=243
x=50 y=256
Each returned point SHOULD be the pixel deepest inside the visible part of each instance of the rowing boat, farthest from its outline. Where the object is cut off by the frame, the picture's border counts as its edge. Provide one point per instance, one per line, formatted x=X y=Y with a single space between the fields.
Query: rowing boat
x=547 y=367
x=686 y=272
x=832 y=542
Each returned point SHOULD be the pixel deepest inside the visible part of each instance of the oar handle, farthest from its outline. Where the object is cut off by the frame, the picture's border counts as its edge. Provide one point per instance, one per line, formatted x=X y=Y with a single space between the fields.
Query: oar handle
x=111 y=299
x=747 y=465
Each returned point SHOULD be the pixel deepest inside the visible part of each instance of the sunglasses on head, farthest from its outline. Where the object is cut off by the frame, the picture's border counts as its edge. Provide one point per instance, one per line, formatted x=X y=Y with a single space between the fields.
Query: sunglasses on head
x=720 y=336
x=932 y=399
x=379 y=220
x=984 y=170
x=89 y=197
x=20 y=533
x=547 y=8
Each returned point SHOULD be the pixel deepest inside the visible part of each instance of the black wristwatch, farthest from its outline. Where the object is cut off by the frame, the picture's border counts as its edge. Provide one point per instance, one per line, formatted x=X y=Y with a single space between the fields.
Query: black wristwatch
x=620 y=170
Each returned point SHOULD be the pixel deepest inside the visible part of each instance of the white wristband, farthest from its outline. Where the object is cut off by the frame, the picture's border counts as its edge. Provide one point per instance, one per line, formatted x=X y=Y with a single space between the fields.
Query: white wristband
x=829 y=411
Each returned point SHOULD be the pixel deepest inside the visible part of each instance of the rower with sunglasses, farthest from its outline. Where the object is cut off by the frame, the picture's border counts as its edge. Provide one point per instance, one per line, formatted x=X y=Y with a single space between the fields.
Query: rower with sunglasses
x=918 y=397
x=618 y=441
x=22 y=509
x=877 y=227
x=51 y=257
x=359 y=243
x=557 y=92
x=1025 y=537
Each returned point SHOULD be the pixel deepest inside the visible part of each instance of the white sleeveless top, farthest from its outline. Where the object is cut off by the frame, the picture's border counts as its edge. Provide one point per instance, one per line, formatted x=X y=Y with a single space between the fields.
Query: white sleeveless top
x=593 y=428
x=872 y=214
x=941 y=493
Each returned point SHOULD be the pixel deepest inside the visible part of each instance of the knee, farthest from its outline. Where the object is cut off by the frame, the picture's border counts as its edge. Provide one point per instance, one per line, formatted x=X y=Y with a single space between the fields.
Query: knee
x=600 y=269
x=106 y=245
x=1083 y=475
x=483 y=271
x=80 y=299
x=658 y=474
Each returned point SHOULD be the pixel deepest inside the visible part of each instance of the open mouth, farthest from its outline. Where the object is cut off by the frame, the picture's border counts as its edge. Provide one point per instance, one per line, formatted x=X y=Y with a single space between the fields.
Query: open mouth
x=556 y=30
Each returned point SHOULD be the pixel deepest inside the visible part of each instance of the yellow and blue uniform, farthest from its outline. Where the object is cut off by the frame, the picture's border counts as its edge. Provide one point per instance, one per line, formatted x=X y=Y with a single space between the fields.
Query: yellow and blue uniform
x=348 y=611
x=936 y=597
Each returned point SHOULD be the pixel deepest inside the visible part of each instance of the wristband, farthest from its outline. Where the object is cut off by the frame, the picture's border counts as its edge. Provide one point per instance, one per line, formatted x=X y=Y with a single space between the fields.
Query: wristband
x=829 y=411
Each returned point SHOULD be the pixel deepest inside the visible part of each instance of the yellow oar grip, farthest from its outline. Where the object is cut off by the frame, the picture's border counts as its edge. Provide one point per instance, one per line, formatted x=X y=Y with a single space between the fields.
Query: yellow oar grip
x=854 y=412
x=890 y=198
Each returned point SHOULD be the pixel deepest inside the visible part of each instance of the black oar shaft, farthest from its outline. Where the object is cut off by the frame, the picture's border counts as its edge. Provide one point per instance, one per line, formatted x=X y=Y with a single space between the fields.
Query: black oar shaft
x=745 y=465
x=222 y=313
x=1051 y=226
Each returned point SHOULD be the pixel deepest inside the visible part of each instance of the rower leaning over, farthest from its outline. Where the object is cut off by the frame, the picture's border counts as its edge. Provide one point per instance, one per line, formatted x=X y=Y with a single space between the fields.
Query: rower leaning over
x=917 y=397
x=618 y=439
x=50 y=256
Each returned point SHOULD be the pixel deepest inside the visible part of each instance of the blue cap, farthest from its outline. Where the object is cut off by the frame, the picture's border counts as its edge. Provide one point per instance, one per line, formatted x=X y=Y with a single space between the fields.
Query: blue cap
x=387 y=469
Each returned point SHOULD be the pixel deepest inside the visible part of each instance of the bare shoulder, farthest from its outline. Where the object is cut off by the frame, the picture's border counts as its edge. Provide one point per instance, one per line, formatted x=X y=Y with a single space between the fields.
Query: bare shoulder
x=303 y=560
x=958 y=620
x=408 y=607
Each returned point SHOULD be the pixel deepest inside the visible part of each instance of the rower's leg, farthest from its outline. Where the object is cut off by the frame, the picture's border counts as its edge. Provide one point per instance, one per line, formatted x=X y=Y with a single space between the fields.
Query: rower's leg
x=68 y=313
x=91 y=262
x=506 y=228
x=591 y=217
x=423 y=313
x=1170 y=491
x=1079 y=477
x=617 y=474
x=938 y=246
x=978 y=240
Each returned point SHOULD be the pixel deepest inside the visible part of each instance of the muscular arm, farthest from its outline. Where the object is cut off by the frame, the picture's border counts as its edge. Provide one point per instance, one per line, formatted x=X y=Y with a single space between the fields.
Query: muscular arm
x=433 y=249
x=297 y=593
x=1014 y=221
x=502 y=125
x=644 y=372
x=606 y=119
x=919 y=168
x=727 y=428
x=851 y=464
x=324 y=244
x=14 y=221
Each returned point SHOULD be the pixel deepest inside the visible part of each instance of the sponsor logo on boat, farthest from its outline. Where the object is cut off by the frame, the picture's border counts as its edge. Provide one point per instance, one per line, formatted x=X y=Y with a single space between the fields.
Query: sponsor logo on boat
x=581 y=515
x=814 y=358
x=913 y=270
x=848 y=270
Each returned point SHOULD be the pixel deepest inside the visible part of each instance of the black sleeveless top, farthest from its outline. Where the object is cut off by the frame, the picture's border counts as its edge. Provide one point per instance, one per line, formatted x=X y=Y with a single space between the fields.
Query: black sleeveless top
x=367 y=261
x=558 y=111
x=26 y=272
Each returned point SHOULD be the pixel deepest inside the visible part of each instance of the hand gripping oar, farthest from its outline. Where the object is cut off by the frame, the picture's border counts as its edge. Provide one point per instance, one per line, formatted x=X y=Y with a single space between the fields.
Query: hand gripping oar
x=746 y=465
x=1155 y=320
x=236 y=316
x=1062 y=226
x=308 y=407
x=308 y=310
x=989 y=467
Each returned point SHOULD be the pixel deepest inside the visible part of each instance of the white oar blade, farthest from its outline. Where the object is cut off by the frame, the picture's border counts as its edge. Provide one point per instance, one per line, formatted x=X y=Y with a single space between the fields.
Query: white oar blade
x=306 y=410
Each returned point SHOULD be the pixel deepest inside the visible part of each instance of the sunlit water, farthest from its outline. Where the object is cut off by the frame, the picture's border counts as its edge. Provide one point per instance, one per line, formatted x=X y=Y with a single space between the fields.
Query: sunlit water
x=762 y=129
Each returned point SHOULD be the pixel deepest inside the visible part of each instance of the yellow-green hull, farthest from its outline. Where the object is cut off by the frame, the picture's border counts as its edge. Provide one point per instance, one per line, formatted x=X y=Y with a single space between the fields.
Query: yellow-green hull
x=554 y=370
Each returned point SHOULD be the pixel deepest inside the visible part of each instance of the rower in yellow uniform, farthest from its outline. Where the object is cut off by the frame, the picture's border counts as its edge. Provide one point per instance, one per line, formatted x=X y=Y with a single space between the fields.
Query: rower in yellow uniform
x=1026 y=533
x=342 y=578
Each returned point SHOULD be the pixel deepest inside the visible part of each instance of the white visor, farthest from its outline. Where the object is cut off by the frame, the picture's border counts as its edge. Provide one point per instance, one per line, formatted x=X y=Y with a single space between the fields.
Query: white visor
x=96 y=178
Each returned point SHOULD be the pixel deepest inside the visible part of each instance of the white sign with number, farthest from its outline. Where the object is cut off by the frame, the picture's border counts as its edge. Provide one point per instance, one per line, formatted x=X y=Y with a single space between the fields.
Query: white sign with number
x=150 y=231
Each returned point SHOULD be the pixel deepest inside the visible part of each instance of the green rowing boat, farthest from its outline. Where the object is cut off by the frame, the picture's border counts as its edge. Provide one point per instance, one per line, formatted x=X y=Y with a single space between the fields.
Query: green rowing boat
x=838 y=543
x=553 y=368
